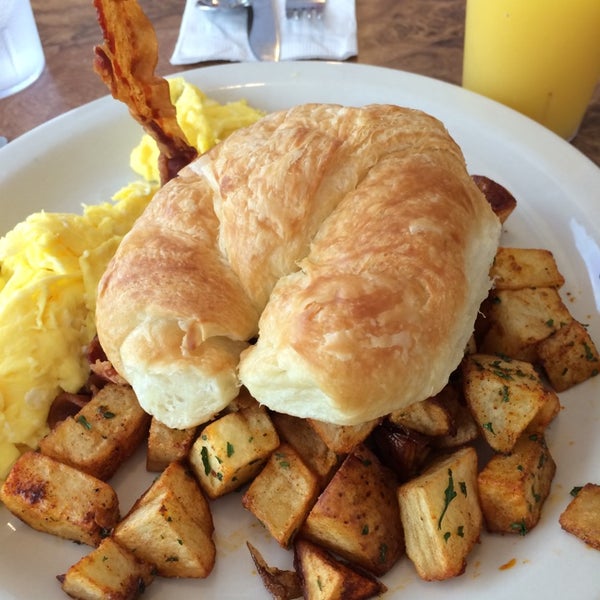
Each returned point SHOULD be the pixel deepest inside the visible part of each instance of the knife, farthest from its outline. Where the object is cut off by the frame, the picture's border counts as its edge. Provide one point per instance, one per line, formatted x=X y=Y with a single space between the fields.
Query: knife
x=263 y=30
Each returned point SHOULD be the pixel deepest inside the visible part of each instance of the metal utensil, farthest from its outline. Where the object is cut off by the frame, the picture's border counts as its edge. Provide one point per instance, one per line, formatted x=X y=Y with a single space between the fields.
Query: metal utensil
x=263 y=30
x=308 y=9
x=222 y=4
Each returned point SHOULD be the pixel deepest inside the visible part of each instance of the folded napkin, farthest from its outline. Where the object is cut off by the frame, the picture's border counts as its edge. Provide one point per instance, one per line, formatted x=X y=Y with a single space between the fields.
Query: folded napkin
x=222 y=35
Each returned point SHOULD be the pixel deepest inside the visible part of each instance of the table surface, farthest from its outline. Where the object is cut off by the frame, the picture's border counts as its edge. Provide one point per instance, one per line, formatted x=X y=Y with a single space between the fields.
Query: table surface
x=420 y=36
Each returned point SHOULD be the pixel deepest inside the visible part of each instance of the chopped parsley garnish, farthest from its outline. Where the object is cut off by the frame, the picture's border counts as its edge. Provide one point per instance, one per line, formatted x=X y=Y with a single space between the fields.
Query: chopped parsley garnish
x=449 y=495
x=84 y=422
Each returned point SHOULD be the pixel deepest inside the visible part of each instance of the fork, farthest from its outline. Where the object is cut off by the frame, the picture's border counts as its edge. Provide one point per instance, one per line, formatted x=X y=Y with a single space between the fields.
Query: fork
x=309 y=9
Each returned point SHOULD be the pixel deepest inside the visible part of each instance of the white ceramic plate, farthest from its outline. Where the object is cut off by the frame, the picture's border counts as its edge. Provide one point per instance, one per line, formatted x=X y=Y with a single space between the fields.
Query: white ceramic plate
x=82 y=157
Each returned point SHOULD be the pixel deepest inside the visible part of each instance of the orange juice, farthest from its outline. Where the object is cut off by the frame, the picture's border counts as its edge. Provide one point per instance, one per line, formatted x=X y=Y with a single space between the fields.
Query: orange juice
x=540 y=57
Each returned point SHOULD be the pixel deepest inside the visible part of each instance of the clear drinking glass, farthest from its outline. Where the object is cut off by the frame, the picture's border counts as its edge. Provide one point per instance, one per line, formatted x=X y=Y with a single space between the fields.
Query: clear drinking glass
x=21 y=54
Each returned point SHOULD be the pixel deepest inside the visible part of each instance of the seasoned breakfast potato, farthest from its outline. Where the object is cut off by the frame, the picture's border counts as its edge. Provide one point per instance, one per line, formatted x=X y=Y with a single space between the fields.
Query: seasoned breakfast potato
x=441 y=515
x=431 y=416
x=342 y=439
x=282 y=494
x=518 y=268
x=281 y=584
x=163 y=532
x=325 y=578
x=504 y=396
x=466 y=429
x=108 y=572
x=356 y=516
x=316 y=455
x=55 y=498
x=233 y=449
x=179 y=479
x=503 y=203
x=166 y=445
x=569 y=356
x=171 y=526
x=582 y=515
x=513 y=487
x=519 y=319
x=105 y=432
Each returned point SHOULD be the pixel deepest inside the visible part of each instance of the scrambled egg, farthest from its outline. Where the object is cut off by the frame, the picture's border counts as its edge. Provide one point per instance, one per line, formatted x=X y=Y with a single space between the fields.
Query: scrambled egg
x=50 y=265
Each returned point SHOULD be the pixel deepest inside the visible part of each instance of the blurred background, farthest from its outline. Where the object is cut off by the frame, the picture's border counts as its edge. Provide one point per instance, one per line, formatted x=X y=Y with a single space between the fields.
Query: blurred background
x=420 y=36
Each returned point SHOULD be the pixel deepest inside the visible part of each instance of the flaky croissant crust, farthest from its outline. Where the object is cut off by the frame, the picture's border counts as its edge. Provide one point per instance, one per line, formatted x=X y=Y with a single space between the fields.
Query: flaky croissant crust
x=351 y=240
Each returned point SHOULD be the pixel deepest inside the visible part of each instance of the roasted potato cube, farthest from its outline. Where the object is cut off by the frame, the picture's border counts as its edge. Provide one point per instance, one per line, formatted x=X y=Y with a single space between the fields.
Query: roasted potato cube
x=403 y=450
x=180 y=480
x=342 y=439
x=513 y=487
x=503 y=203
x=109 y=571
x=582 y=515
x=518 y=268
x=504 y=397
x=55 y=498
x=545 y=415
x=520 y=319
x=104 y=433
x=163 y=532
x=429 y=417
x=465 y=428
x=315 y=454
x=441 y=515
x=282 y=494
x=356 y=516
x=569 y=356
x=325 y=578
x=233 y=449
x=167 y=445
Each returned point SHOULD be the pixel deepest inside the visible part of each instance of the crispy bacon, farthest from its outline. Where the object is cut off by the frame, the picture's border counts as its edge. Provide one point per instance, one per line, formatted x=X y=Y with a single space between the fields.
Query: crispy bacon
x=126 y=62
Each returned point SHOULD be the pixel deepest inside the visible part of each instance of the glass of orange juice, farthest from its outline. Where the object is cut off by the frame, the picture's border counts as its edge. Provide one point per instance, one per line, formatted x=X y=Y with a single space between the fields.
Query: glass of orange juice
x=540 y=57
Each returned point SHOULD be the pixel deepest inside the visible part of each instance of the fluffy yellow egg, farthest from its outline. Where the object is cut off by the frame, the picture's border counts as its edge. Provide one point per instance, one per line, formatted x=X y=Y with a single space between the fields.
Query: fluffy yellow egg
x=50 y=265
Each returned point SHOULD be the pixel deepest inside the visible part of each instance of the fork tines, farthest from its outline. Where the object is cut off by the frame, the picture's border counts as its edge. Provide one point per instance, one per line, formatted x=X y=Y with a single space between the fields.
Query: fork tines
x=308 y=9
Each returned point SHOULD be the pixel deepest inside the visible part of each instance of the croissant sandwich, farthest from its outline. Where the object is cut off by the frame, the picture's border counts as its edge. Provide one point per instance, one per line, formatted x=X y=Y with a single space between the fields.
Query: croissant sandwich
x=330 y=259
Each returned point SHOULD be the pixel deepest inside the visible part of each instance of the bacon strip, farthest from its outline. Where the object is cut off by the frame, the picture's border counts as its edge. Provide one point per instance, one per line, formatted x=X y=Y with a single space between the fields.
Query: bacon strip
x=126 y=62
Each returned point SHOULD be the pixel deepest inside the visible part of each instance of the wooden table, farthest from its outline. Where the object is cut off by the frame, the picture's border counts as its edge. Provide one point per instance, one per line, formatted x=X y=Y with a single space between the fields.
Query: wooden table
x=421 y=36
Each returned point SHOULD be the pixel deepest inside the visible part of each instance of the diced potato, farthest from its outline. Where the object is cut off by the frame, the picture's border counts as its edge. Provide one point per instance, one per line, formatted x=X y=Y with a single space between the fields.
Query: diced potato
x=167 y=445
x=163 y=532
x=504 y=397
x=545 y=415
x=441 y=515
x=569 y=356
x=282 y=494
x=108 y=572
x=466 y=430
x=502 y=202
x=104 y=433
x=325 y=578
x=299 y=434
x=582 y=515
x=233 y=449
x=519 y=319
x=429 y=417
x=281 y=584
x=357 y=515
x=342 y=439
x=55 y=498
x=403 y=450
x=518 y=268
x=179 y=479
x=513 y=487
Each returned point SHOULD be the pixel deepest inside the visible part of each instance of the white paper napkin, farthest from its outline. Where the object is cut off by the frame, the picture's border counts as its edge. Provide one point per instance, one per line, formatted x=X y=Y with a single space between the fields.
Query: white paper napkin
x=222 y=35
